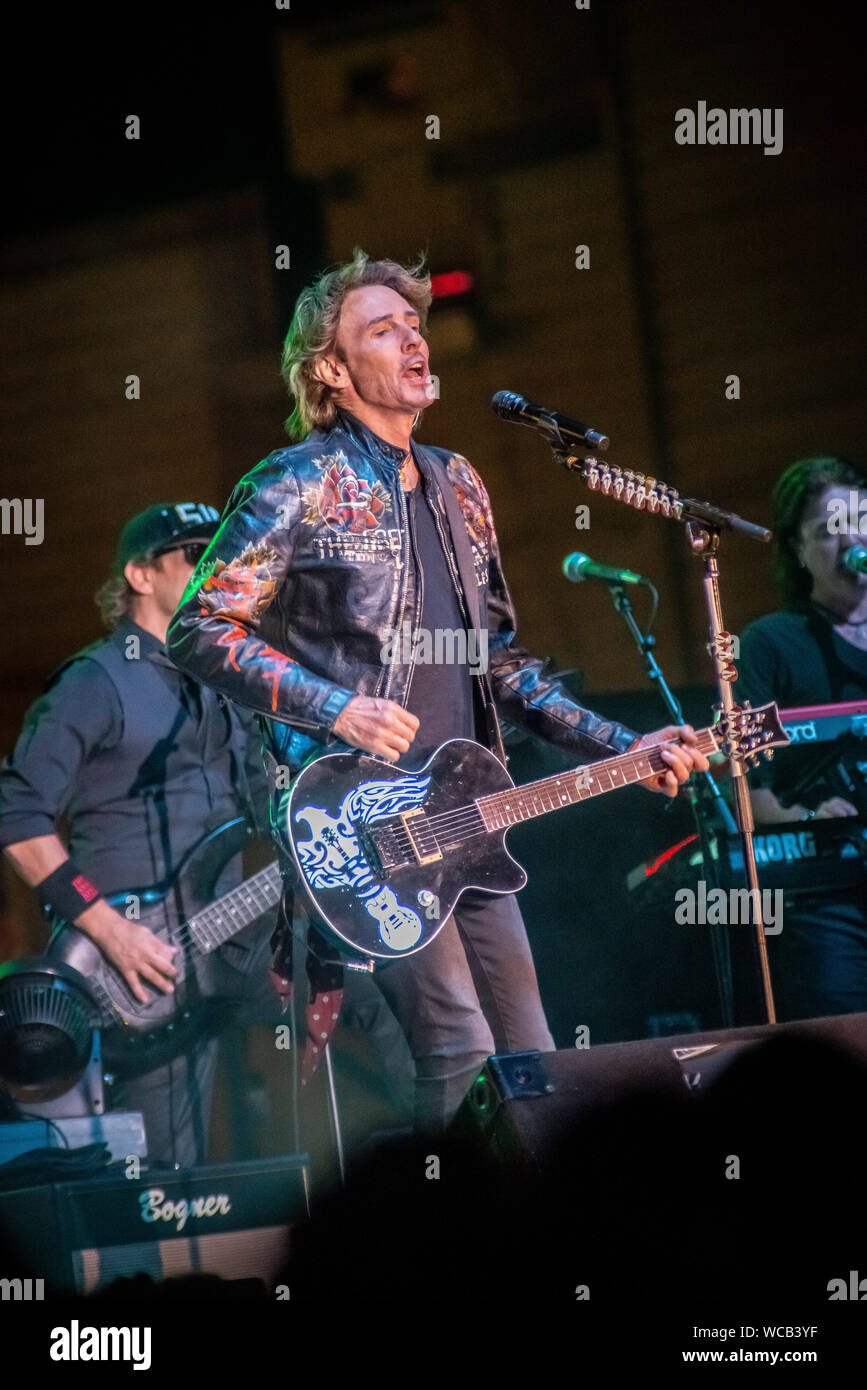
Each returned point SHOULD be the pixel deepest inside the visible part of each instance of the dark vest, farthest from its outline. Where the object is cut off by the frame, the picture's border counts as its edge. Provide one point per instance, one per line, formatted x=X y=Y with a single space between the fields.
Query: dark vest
x=137 y=807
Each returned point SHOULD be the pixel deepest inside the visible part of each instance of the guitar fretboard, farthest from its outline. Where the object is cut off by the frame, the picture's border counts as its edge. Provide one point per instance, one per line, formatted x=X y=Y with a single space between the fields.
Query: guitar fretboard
x=502 y=809
x=219 y=922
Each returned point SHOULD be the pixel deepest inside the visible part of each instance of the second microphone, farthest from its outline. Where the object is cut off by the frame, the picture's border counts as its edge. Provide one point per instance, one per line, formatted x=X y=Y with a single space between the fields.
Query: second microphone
x=578 y=567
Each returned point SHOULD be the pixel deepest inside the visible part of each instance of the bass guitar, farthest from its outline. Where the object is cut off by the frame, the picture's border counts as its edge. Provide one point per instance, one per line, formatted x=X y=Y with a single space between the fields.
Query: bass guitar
x=384 y=854
x=181 y=914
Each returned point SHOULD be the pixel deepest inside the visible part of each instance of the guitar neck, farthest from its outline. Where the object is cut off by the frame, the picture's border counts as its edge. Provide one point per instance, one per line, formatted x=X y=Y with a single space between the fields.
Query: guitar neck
x=223 y=919
x=502 y=809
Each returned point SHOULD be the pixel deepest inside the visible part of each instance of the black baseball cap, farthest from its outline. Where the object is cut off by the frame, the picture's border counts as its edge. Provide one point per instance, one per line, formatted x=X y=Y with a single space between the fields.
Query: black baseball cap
x=164 y=526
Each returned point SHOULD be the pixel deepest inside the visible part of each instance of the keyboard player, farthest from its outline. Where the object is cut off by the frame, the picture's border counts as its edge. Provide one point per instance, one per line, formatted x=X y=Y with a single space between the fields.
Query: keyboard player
x=813 y=651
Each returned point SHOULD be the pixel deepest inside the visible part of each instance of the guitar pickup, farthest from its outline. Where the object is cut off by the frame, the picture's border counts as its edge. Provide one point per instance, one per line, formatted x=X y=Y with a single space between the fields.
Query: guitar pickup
x=375 y=854
x=425 y=854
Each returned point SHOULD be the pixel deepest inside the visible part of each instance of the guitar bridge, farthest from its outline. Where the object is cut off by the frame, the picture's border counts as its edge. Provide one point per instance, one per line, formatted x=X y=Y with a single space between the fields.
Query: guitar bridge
x=424 y=854
x=376 y=853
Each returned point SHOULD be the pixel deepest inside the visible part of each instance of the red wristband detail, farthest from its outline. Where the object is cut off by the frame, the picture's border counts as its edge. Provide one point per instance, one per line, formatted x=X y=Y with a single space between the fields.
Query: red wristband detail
x=84 y=886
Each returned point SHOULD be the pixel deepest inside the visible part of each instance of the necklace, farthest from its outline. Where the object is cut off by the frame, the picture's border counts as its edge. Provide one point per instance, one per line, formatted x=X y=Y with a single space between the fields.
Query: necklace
x=403 y=466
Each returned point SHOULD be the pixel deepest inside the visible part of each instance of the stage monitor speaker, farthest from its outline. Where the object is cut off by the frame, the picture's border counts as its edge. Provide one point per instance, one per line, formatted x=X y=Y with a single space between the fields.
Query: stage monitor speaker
x=230 y=1219
x=522 y=1102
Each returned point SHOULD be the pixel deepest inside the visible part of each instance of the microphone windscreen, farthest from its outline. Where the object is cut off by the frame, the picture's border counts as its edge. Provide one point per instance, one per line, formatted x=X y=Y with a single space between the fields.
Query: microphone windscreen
x=573 y=567
x=505 y=404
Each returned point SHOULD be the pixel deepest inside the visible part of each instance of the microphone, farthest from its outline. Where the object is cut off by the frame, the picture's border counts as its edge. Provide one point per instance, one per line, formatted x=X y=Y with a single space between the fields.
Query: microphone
x=855 y=560
x=578 y=567
x=561 y=428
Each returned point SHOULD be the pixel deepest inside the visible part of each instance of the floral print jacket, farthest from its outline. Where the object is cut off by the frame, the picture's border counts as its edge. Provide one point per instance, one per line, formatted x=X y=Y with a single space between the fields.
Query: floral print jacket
x=310 y=573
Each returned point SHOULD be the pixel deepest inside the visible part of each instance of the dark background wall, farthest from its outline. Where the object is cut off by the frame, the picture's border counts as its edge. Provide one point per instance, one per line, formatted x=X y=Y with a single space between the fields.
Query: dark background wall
x=307 y=127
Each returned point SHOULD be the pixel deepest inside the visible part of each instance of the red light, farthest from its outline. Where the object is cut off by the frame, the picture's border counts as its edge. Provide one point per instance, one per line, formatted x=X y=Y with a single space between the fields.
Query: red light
x=666 y=854
x=451 y=283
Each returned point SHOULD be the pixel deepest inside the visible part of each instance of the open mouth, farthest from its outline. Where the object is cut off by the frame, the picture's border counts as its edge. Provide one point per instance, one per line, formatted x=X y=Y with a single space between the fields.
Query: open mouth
x=418 y=372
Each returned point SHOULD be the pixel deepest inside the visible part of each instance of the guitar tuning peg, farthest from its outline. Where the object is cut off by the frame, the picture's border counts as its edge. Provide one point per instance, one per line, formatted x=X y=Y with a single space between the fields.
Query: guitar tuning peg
x=769 y=753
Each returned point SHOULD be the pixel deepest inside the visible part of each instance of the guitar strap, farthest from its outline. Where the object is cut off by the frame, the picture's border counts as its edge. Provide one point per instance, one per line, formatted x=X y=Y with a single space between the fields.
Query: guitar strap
x=466 y=569
x=324 y=977
x=458 y=530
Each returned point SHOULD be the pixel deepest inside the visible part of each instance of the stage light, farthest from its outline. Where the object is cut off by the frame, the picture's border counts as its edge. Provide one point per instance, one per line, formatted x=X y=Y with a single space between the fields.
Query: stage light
x=450 y=284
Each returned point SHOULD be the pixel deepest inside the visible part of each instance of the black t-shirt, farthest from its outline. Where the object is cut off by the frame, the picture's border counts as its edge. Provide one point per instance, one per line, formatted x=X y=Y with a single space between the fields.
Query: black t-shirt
x=441 y=689
x=796 y=658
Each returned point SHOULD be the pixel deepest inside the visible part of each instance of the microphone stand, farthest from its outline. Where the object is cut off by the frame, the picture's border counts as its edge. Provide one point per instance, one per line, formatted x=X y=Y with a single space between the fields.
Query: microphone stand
x=704 y=526
x=699 y=805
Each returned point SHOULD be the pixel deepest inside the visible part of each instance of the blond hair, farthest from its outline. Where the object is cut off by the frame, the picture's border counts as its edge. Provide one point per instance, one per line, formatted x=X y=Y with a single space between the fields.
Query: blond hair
x=313 y=330
x=116 y=598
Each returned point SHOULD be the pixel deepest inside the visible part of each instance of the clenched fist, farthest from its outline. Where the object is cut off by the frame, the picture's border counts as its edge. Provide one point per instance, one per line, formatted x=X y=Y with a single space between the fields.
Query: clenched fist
x=377 y=726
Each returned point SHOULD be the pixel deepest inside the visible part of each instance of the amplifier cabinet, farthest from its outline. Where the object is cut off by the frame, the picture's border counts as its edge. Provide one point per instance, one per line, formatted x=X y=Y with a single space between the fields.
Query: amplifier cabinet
x=232 y=1219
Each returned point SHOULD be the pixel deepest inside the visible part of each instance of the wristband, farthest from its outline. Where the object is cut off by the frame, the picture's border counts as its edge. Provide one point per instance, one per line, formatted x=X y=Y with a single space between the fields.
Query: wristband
x=67 y=892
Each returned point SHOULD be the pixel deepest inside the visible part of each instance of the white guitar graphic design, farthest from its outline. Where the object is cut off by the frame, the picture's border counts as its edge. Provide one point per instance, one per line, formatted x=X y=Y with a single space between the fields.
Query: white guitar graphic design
x=332 y=857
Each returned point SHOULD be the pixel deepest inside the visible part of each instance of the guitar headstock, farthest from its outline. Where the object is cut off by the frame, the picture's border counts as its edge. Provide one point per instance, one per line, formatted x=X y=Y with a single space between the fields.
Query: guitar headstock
x=747 y=733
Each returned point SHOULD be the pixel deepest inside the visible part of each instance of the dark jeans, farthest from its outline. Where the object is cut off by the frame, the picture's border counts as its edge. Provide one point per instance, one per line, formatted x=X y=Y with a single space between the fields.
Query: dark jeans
x=819 y=960
x=472 y=992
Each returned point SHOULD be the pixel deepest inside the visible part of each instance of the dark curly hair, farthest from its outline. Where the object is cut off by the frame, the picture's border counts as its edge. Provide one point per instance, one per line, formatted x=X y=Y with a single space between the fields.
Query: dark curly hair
x=794 y=491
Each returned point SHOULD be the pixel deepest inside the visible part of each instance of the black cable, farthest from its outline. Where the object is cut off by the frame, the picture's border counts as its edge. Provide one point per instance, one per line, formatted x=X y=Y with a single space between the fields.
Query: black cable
x=296 y=1081
x=38 y=1166
x=28 y=1115
x=654 y=607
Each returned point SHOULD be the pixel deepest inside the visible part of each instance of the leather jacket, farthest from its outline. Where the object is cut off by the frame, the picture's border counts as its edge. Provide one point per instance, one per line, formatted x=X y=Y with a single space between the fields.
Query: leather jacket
x=311 y=572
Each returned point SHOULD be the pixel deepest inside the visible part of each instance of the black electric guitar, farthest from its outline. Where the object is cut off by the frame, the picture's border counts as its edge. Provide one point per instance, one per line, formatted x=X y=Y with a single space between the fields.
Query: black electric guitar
x=384 y=854
x=181 y=914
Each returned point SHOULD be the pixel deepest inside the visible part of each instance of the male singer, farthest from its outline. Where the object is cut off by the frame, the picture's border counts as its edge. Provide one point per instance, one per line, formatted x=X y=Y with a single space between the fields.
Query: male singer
x=324 y=551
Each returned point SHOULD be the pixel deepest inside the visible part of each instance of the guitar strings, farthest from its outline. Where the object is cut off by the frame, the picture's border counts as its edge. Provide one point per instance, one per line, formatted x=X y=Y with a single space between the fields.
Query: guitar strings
x=185 y=934
x=449 y=824
x=450 y=821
